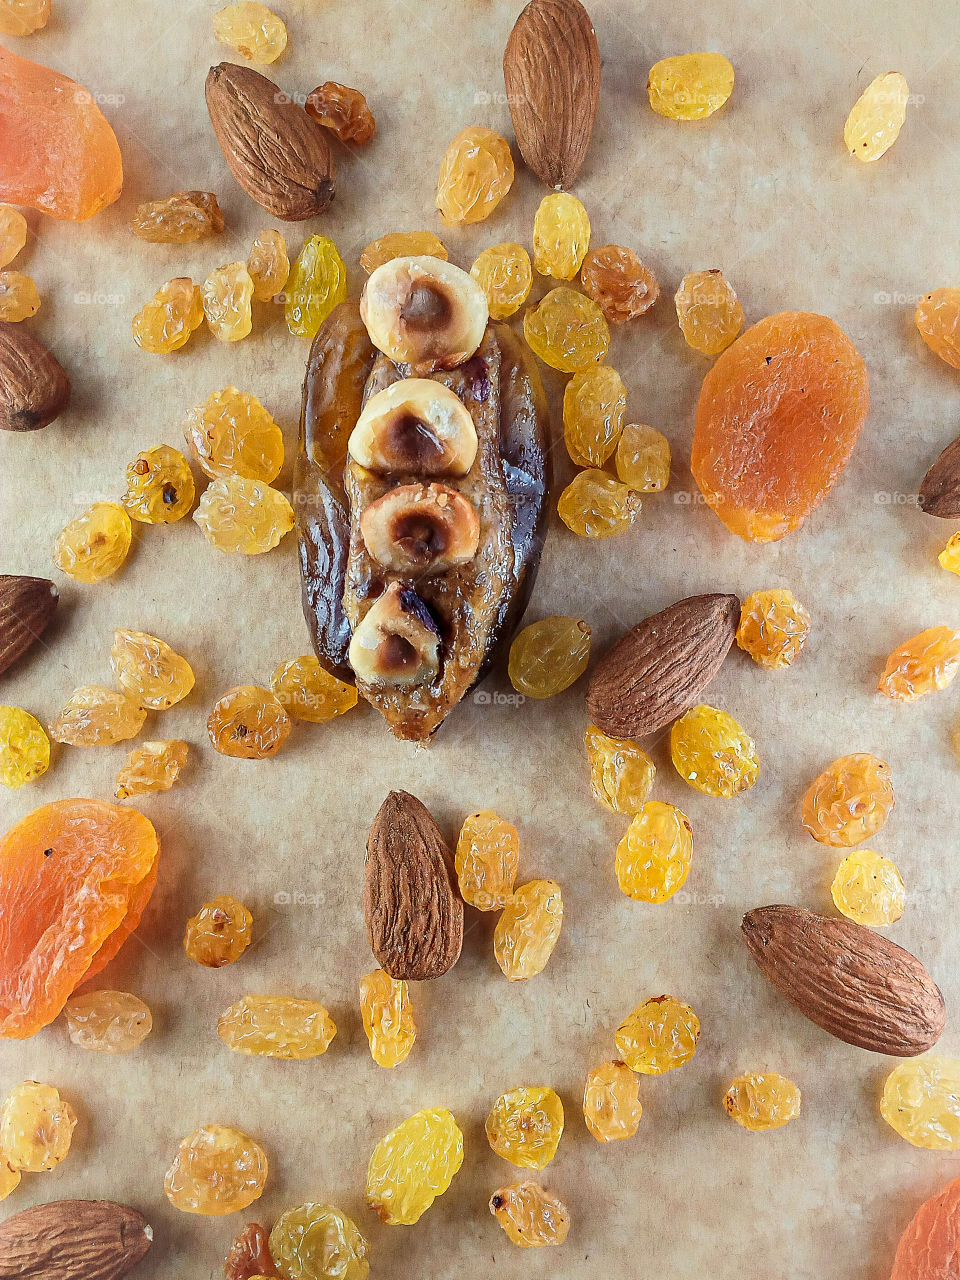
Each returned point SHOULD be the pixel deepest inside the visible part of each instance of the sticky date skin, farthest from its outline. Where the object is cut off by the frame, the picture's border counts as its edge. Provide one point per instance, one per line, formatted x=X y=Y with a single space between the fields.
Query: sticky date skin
x=339 y=368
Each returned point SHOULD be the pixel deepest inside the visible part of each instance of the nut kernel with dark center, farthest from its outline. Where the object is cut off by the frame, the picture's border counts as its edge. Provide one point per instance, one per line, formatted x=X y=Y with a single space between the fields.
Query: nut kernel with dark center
x=396 y=642
x=421 y=529
x=415 y=426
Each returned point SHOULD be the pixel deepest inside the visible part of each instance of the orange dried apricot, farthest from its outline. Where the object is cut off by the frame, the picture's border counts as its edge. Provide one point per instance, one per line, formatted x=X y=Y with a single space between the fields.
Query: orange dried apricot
x=929 y=1249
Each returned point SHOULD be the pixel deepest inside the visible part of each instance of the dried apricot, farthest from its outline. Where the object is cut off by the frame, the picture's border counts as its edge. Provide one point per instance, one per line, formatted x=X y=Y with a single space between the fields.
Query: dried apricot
x=930 y=1247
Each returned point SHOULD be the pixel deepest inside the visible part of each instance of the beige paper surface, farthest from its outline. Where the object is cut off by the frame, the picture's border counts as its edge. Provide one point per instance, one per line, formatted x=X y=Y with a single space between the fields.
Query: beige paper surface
x=765 y=191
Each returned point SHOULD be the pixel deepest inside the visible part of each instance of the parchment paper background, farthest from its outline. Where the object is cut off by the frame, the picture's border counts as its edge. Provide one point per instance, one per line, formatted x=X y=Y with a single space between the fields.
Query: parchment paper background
x=765 y=191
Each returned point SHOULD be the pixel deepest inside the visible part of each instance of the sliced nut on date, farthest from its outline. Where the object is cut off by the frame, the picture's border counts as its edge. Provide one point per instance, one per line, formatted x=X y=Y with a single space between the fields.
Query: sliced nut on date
x=413 y=913
x=397 y=643
x=34 y=389
x=421 y=528
x=73 y=1240
x=425 y=314
x=416 y=426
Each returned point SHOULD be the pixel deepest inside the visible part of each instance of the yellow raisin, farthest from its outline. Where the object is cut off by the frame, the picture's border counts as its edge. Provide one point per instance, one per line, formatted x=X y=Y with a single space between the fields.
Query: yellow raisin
x=921 y=665
x=248 y=722
x=317 y=283
x=160 y=488
x=277 y=1027
x=949 y=557
x=761 y=1101
x=712 y=752
x=183 y=218
x=773 y=628
x=24 y=748
x=387 y=1018
x=654 y=857
x=658 y=1036
x=149 y=670
x=611 y=1102
x=36 y=1127
x=938 y=321
x=849 y=801
x=268 y=264
x=868 y=889
x=413 y=1164
x=549 y=656
x=107 y=1021
x=531 y=1216
x=561 y=236
x=567 y=330
x=252 y=30
x=594 y=403
x=13 y=229
x=308 y=691
x=528 y=929
x=231 y=433
x=343 y=110
x=243 y=516
x=9 y=1177
x=95 y=545
x=23 y=17
x=621 y=773
x=475 y=174
x=921 y=1101
x=152 y=767
x=877 y=116
x=166 y=322
x=19 y=299
x=486 y=860
x=217 y=1170
x=709 y=311
x=616 y=279
x=402 y=244
x=596 y=505
x=219 y=933
x=643 y=458
x=318 y=1242
x=97 y=717
x=690 y=86
x=504 y=273
x=227 y=296
x=525 y=1126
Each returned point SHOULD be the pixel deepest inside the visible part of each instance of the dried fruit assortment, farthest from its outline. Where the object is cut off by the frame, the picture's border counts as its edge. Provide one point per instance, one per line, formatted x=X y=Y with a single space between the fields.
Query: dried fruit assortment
x=531 y=1216
x=413 y=1164
x=217 y=1170
x=525 y=1126
x=762 y=1100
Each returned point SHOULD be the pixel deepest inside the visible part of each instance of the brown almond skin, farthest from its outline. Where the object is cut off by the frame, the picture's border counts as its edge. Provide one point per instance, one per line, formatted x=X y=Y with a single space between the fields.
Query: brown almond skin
x=848 y=979
x=413 y=912
x=940 y=491
x=34 y=389
x=659 y=669
x=73 y=1240
x=27 y=606
x=551 y=69
x=277 y=153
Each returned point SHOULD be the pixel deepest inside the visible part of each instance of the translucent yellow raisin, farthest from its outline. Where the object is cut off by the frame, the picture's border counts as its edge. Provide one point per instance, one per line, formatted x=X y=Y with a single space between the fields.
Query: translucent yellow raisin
x=877 y=116
x=505 y=275
x=252 y=30
x=9 y=1177
x=643 y=458
x=227 y=296
x=561 y=236
x=654 y=857
x=97 y=717
x=938 y=320
x=712 y=752
x=248 y=722
x=921 y=1101
x=567 y=330
x=107 y=1021
x=761 y=1101
x=531 y=1216
x=268 y=264
x=217 y=1170
x=773 y=628
x=183 y=218
x=231 y=433
x=849 y=801
x=709 y=311
x=318 y=1242
x=166 y=322
x=475 y=174
x=611 y=1102
x=387 y=1018
x=317 y=284
x=243 y=516
x=152 y=767
x=690 y=86
x=616 y=279
x=528 y=929
x=24 y=748
x=277 y=1027
x=949 y=557
x=621 y=773
x=160 y=487
x=307 y=691
x=549 y=656
x=36 y=1127
x=486 y=860
x=525 y=1126
x=658 y=1036
x=868 y=888
x=921 y=665
x=402 y=244
x=596 y=505
x=13 y=231
x=19 y=299
x=149 y=670
x=23 y=17
x=219 y=933
x=594 y=403
x=95 y=545
x=413 y=1164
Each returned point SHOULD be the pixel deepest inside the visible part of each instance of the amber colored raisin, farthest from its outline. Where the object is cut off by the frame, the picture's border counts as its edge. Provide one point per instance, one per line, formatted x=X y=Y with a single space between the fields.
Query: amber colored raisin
x=95 y=545
x=616 y=279
x=249 y=1256
x=921 y=665
x=149 y=670
x=525 y=1126
x=19 y=299
x=709 y=311
x=24 y=748
x=36 y=1127
x=227 y=296
x=231 y=433
x=252 y=30
x=152 y=767
x=531 y=1216
x=611 y=1102
x=567 y=330
x=13 y=233
x=654 y=857
x=342 y=110
x=242 y=516
x=217 y=1170
x=877 y=116
x=413 y=1164
x=387 y=1018
x=528 y=929
x=643 y=458
x=166 y=322
x=475 y=174
x=307 y=691
x=486 y=860
x=97 y=717
x=248 y=722
x=658 y=1036
x=549 y=656
x=773 y=628
x=107 y=1021
x=219 y=933
x=182 y=218
x=268 y=264
x=938 y=322
x=277 y=1027
x=402 y=244
x=712 y=752
x=160 y=487
x=504 y=273
x=690 y=86
x=23 y=17
x=561 y=236
x=594 y=403
x=761 y=1101
x=868 y=889
x=849 y=801
x=596 y=505
x=621 y=772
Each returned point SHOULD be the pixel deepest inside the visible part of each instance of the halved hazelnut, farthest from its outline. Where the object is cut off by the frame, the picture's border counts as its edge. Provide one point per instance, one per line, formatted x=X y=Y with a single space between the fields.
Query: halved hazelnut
x=421 y=528
x=415 y=426
x=397 y=641
x=424 y=313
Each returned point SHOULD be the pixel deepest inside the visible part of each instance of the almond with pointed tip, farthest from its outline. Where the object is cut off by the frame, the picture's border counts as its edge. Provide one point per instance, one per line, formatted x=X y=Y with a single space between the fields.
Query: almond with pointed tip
x=940 y=491
x=34 y=389
x=73 y=1240
x=26 y=607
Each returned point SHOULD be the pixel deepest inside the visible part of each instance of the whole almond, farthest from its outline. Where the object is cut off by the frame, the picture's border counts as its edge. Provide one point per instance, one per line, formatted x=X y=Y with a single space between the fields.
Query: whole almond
x=551 y=68
x=34 y=390
x=849 y=980
x=73 y=1240
x=277 y=153
x=27 y=606
x=413 y=912
x=659 y=669
x=940 y=491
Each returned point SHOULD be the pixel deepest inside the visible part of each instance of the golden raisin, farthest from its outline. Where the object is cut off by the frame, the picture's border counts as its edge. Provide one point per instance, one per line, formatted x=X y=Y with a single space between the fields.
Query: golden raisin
x=525 y=1126
x=611 y=1102
x=219 y=933
x=949 y=557
x=317 y=283
x=19 y=299
x=531 y=1216
x=561 y=236
x=621 y=773
x=318 y=1242
x=653 y=858
x=549 y=656
x=773 y=628
x=107 y=1021
x=23 y=17
x=412 y=1165
x=252 y=30
x=616 y=279
x=231 y=433
x=712 y=752
x=643 y=458
x=243 y=516
x=849 y=801
x=596 y=505
x=24 y=748
x=36 y=1127
x=690 y=86
x=9 y=1177
x=160 y=487
x=343 y=110
x=567 y=330
x=166 y=322
x=268 y=264
x=97 y=717
x=227 y=296
x=528 y=929
x=277 y=1027
x=877 y=116
x=486 y=860
x=921 y=665
x=182 y=218
x=709 y=311
x=475 y=174
x=402 y=244
x=868 y=889
x=504 y=273
x=248 y=722
x=307 y=691
x=149 y=670
x=387 y=1018
x=217 y=1170
x=761 y=1101
x=13 y=230
x=95 y=545
x=938 y=322
x=921 y=1102
x=594 y=403
x=152 y=767
x=658 y=1036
